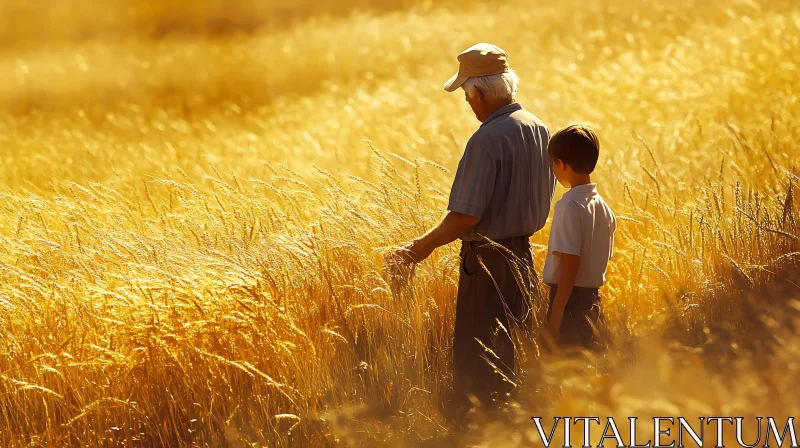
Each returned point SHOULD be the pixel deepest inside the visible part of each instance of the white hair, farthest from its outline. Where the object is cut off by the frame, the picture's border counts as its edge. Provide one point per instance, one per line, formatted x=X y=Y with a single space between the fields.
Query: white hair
x=502 y=86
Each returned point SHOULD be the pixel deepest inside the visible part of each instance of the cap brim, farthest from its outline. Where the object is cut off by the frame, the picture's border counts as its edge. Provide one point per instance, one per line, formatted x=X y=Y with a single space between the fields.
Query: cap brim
x=455 y=82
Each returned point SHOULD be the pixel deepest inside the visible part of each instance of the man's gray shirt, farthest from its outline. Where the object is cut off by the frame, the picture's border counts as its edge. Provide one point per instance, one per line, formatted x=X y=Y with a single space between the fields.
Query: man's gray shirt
x=505 y=177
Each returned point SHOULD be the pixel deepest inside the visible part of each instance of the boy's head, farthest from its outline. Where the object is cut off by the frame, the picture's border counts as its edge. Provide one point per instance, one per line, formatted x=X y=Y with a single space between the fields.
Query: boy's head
x=574 y=151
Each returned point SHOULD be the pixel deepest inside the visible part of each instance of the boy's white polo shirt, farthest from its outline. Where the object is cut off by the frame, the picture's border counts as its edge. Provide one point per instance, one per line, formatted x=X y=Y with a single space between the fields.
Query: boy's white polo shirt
x=583 y=224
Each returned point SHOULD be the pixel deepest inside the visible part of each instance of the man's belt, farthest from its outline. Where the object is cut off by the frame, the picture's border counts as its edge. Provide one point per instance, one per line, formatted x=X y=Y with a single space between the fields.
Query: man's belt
x=509 y=243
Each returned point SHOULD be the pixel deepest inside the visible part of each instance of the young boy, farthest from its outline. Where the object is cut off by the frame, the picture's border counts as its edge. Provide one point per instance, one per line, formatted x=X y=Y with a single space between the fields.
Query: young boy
x=581 y=240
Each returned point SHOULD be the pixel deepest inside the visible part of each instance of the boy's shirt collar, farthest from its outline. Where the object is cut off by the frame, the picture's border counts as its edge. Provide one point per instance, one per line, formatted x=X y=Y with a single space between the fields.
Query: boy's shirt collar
x=585 y=189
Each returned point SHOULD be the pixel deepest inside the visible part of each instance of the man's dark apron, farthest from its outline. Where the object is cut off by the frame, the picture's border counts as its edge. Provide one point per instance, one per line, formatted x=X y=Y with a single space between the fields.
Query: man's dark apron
x=497 y=285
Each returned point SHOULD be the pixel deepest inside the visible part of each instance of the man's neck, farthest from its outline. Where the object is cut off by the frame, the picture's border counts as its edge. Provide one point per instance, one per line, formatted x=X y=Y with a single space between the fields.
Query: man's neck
x=495 y=106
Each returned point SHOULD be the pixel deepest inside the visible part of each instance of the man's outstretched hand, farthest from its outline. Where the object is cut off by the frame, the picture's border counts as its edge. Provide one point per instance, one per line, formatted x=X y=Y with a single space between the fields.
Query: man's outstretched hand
x=413 y=252
x=400 y=264
x=453 y=225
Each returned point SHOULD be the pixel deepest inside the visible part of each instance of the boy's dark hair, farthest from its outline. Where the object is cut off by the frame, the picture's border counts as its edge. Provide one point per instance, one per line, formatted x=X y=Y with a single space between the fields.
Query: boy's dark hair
x=577 y=145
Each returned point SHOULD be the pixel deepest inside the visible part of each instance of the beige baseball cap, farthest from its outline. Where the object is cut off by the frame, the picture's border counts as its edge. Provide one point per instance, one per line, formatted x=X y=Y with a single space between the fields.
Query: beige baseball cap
x=478 y=60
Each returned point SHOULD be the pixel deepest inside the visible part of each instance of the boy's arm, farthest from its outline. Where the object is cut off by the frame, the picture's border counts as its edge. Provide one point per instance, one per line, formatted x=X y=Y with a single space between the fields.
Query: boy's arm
x=569 y=272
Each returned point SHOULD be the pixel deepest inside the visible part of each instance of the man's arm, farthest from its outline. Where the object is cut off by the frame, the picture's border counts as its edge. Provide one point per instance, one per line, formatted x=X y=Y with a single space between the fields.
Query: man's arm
x=469 y=197
x=448 y=230
x=569 y=272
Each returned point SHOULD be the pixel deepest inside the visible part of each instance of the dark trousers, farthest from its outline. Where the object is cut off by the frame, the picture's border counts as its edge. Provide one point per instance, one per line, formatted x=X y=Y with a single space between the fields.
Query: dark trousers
x=495 y=289
x=582 y=325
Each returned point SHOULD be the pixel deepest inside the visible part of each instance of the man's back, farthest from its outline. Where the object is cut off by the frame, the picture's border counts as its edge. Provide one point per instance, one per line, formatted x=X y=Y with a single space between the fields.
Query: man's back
x=505 y=177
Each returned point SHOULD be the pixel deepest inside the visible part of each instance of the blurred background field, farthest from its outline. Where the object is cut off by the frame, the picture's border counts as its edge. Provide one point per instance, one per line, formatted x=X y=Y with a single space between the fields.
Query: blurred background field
x=197 y=196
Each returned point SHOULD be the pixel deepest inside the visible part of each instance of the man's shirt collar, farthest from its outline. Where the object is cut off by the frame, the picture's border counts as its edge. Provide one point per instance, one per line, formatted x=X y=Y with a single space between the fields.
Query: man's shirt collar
x=507 y=109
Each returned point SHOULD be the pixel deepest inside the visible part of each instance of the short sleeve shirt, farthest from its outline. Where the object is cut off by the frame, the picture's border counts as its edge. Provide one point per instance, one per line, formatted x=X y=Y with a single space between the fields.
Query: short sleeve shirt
x=584 y=225
x=505 y=177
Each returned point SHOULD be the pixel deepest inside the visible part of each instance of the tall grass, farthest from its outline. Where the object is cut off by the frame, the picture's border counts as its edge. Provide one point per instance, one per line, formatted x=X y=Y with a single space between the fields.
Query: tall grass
x=192 y=234
x=31 y=24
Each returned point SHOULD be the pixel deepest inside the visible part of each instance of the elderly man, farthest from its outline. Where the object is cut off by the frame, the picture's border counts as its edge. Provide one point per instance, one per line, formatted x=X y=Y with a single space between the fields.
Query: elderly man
x=502 y=191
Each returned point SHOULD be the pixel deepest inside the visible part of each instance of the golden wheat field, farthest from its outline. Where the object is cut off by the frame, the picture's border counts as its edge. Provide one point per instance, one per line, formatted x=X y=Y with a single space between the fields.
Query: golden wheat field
x=197 y=197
